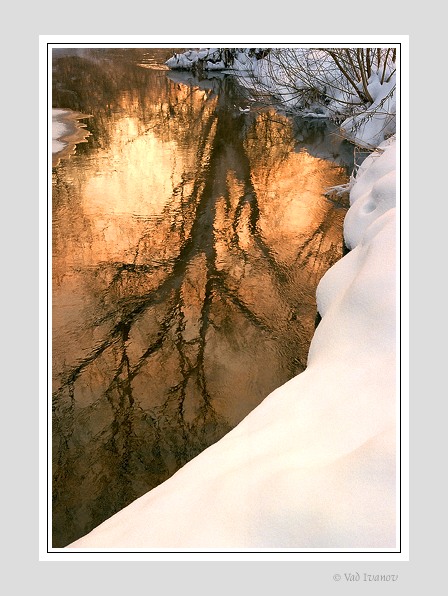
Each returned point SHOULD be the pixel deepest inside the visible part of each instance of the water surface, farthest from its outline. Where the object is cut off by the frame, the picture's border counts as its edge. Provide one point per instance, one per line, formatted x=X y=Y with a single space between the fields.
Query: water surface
x=188 y=239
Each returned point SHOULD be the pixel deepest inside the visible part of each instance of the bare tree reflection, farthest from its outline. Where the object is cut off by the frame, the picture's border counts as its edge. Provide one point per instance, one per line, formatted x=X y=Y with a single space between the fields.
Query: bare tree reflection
x=210 y=307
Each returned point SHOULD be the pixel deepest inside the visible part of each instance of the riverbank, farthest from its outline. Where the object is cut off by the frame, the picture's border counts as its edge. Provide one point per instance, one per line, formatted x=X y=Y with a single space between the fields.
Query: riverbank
x=67 y=132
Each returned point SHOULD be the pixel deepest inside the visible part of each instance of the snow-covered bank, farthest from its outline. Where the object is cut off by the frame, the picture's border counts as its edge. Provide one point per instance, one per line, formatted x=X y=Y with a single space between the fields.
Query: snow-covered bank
x=59 y=130
x=215 y=59
x=313 y=466
x=67 y=131
x=310 y=82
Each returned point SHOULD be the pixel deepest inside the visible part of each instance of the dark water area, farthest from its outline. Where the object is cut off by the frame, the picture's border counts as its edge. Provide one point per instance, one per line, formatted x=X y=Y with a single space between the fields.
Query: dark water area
x=188 y=239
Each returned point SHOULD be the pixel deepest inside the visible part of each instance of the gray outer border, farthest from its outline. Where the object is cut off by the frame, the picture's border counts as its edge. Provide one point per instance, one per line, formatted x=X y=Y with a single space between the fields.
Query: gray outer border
x=22 y=569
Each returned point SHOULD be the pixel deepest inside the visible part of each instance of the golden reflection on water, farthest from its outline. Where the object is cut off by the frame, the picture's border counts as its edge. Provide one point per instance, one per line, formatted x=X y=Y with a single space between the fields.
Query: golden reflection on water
x=186 y=253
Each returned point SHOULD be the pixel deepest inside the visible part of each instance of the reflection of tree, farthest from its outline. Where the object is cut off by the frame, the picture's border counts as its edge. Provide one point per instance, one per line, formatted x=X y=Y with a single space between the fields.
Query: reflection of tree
x=201 y=287
x=107 y=82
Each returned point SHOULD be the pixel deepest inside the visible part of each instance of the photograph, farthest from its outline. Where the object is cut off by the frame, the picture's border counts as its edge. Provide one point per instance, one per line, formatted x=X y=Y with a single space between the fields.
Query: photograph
x=226 y=302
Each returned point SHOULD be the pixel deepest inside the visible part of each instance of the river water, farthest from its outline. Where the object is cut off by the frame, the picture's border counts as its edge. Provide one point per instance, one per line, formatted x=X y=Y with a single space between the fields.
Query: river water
x=188 y=239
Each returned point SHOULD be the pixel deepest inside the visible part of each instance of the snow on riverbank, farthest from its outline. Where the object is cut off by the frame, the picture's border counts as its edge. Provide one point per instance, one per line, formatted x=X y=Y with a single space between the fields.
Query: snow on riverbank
x=285 y=75
x=313 y=466
x=67 y=131
x=59 y=130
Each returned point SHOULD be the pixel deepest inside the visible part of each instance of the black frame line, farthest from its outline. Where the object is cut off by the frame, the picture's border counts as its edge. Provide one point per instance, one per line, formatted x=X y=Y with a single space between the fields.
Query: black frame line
x=279 y=552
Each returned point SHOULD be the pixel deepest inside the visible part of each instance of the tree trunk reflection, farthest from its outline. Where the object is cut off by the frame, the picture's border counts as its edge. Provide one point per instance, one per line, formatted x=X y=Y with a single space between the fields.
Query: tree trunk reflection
x=175 y=314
